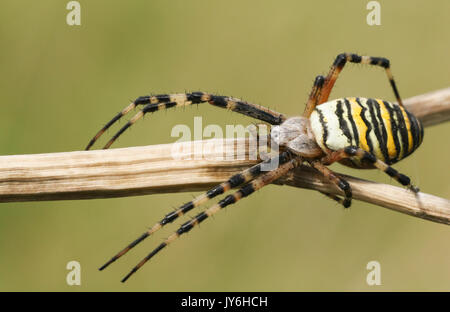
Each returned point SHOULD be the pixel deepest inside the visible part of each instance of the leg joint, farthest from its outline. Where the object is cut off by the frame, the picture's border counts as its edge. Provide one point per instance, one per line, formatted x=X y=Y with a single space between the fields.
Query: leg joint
x=340 y=61
x=380 y=61
x=351 y=150
x=319 y=81
x=343 y=185
x=142 y=100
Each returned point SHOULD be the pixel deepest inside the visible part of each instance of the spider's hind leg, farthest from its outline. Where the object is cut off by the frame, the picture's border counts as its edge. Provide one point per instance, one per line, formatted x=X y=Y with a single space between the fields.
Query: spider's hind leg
x=362 y=155
x=334 y=197
x=234 y=181
x=245 y=191
x=335 y=179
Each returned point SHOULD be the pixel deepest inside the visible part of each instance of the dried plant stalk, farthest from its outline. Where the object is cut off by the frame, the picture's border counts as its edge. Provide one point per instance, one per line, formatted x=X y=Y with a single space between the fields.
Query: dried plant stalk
x=153 y=169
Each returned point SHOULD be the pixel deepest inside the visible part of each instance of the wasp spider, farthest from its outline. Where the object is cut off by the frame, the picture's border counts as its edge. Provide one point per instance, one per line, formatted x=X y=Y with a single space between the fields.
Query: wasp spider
x=357 y=132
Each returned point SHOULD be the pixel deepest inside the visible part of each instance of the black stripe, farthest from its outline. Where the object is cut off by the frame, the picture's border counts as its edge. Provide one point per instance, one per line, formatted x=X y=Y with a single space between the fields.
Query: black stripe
x=404 y=180
x=342 y=123
x=163 y=98
x=381 y=61
x=414 y=128
x=368 y=125
x=138 y=240
x=383 y=142
x=354 y=58
x=142 y=100
x=195 y=97
x=236 y=180
x=150 y=108
x=420 y=130
x=217 y=190
x=186 y=227
x=283 y=158
x=256 y=112
x=324 y=127
x=219 y=101
x=394 y=131
x=201 y=216
x=156 y=250
x=340 y=60
x=247 y=190
x=403 y=130
x=122 y=130
x=170 y=104
x=371 y=103
x=171 y=216
x=227 y=201
x=318 y=82
x=391 y=172
x=254 y=171
x=369 y=157
x=352 y=122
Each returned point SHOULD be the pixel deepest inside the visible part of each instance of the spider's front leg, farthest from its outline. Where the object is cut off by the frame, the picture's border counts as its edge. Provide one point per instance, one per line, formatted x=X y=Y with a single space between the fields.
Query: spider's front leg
x=323 y=85
x=166 y=101
x=339 y=64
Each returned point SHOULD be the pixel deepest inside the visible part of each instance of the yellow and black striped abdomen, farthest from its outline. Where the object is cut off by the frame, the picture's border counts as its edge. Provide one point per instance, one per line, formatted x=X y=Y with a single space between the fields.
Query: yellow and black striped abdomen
x=384 y=129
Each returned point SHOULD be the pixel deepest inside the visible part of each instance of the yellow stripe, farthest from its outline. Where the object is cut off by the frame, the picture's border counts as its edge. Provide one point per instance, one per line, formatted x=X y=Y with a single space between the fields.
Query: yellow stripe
x=362 y=128
x=408 y=128
x=392 y=151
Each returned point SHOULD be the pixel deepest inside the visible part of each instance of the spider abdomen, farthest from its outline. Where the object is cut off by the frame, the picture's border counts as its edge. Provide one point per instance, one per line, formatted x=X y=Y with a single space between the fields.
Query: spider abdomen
x=384 y=129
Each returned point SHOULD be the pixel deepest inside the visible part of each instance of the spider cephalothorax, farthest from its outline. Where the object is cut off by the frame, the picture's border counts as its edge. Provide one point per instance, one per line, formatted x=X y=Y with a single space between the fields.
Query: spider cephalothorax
x=357 y=132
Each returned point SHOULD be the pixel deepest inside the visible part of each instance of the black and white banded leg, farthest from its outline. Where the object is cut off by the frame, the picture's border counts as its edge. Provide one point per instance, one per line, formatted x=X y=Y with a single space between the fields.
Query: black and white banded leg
x=336 y=68
x=363 y=156
x=234 y=181
x=165 y=101
x=338 y=181
x=245 y=191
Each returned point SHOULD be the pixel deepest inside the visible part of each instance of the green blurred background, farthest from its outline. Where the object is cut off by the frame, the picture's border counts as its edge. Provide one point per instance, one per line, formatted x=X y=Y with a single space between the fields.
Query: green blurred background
x=60 y=84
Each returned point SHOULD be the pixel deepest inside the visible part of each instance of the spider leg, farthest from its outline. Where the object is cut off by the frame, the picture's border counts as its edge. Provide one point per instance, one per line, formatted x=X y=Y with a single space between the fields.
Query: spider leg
x=110 y=123
x=149 y=108
x=333 y=197
x=245 y=191
x=234 y=181
x=337 y=67
x=335 y=179
x=362 y=155
x=165 y=101
x=314 y=96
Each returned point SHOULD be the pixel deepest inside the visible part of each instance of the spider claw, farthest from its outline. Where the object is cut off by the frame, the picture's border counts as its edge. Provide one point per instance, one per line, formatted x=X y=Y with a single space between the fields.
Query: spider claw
x=107 y=264
x=415 y=189
x=128 y=275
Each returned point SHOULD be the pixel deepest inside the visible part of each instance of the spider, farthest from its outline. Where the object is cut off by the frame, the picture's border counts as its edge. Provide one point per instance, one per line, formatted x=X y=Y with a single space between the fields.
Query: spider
x=361 y=133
